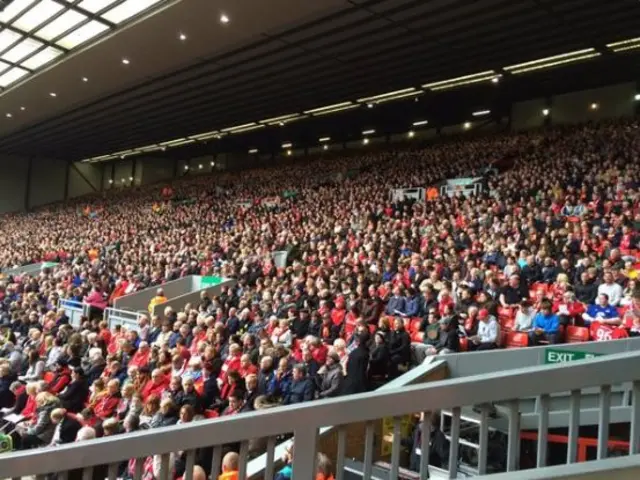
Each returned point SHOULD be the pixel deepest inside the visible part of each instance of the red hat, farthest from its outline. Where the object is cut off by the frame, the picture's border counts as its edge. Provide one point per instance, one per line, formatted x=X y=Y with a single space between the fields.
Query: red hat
x=483 y=313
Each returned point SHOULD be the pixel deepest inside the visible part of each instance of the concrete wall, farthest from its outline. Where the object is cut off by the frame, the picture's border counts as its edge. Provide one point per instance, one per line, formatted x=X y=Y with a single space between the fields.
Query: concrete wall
x=85 y=178
x=13 y=183
x=612 y=101
x=47 y=181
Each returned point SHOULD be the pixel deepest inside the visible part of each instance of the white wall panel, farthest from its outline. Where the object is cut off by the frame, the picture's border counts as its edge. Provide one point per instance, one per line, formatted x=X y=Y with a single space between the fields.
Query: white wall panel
x=528 y=115
x=613 y=101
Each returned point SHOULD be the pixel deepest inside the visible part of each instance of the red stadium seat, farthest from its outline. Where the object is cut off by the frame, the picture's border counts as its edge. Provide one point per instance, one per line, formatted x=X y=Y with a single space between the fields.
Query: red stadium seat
x=48 y=377
x=577 y=334
x=464 y=344
x=517 y=340
x=211 y=414
x=417 y=337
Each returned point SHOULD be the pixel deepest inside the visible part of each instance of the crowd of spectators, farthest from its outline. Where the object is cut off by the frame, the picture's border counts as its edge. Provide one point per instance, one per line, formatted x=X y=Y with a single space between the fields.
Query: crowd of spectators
x=372 y=285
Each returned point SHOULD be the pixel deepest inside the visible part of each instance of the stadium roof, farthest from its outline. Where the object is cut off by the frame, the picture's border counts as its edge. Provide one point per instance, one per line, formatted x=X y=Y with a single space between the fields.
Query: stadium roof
x=169 y=73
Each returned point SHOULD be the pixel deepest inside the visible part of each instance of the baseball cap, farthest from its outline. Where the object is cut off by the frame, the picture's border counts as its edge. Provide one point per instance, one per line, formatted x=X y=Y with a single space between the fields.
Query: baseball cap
x=483 y=313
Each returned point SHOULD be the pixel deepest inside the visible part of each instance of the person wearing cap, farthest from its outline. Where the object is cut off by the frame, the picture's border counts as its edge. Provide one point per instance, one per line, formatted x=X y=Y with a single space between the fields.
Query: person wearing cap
x=546 y=326
x=330 y=380
x=488 y=332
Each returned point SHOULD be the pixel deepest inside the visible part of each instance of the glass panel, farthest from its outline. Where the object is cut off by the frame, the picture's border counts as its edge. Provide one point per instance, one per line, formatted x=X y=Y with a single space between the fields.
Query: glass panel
x=7 y=38
x=63 y=23
x=13 y=9
x=127 y=10
x=37 y=15
x=83 y=34
x=42 y=58
x=95 y=6
x=12 y=76
x=21 y=50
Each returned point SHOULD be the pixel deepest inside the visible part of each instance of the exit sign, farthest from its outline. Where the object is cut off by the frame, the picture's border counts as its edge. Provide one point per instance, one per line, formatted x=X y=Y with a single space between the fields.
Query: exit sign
x=552 y=355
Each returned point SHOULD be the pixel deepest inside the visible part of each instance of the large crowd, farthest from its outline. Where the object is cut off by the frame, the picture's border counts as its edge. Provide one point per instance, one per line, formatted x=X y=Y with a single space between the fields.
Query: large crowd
x=546 y=253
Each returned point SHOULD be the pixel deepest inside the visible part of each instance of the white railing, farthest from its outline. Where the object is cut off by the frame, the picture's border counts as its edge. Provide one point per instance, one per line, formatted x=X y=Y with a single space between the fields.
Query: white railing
x=306 y=419
x=74 y=310
x=126 y=318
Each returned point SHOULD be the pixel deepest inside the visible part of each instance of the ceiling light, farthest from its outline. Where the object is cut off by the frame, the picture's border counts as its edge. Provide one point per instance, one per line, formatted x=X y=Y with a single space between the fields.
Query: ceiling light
x=8 y=38
x=41 y=58
x=495 y=80
x=464 y=80
x=481 y=113
x=12 y=75
x=289 y=152
x=287 y=145
x=324 y=139
x=83 y=34
x=281 y=119
x=95 y=6
x=37 y=15
x=420 y=123
x=200 y=166
x=335 y=106
x=22 y=108
x=182 y=37
x=13 y=9
x=594 y=106
x=9 y=115
x=368 y=132
x=126 y=61
x=411 y=134
x=61 y=24
x=369 y=105
x=238 y=127
x=253 y=151
x=224 y=19
x=365 y=141
x=213 y=164
x=123 y=180
x=127 y=9
x=281 y=124
x=131 y=179
x=335 y=110
x=111 y=180
x=625 y=45
x=467 y=125
x=325 y=147
x=395 y=95
x=21 y=50
x=85 y=79
x=545 y=112
x=637 y=97
x=53 y=94
x=186 y=167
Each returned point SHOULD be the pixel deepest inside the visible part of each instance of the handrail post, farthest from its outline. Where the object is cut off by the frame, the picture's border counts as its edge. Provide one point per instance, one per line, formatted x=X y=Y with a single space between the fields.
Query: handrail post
x=304 y=453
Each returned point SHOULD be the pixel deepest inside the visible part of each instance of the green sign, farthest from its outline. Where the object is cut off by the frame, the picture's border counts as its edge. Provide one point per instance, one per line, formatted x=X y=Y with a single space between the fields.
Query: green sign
x=552 y=355
x=206 y=282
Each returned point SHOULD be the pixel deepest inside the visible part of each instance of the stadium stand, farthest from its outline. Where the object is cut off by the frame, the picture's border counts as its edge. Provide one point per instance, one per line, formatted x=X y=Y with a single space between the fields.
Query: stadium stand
x=546 y=253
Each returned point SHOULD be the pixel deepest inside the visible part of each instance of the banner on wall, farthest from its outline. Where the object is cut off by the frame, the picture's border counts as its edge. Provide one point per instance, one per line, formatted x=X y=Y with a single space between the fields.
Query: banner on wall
x=401 y=194
x=464 y=186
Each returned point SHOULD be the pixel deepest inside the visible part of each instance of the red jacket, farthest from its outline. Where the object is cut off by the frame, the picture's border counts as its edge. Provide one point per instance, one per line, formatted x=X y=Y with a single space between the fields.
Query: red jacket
x=30 y=407
x=320 y=354
x=151 y=388
x=231 y=363
x=247 y=371
x=140 y=359
x=106 y=406
x=60 y=381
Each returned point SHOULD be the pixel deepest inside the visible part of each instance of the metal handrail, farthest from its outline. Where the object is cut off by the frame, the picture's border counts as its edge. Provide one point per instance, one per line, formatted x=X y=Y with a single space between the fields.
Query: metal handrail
x=305 y=419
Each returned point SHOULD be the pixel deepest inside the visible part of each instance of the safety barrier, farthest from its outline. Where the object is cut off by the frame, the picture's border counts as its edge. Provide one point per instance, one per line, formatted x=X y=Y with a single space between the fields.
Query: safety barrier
x=126 y=318
x=74 y=310
x=304 y=421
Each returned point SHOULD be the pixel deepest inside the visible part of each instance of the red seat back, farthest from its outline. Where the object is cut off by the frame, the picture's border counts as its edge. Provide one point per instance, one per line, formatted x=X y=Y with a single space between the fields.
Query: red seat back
x=577 y=334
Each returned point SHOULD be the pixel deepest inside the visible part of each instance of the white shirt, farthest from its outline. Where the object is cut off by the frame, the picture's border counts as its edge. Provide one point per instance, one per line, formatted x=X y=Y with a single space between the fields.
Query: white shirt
x=488 y=331
x=523 y=320
x=613 y=291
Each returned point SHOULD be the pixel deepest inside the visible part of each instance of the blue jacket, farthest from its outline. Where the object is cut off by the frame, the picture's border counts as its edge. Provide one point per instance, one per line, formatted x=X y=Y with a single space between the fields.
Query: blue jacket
x=299 y=391
x=548 y=323
x=396 y=303
x=412 y=306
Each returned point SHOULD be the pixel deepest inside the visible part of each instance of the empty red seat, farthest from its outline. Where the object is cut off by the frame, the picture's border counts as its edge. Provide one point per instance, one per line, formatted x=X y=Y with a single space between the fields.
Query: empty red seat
x=517 y=340
x=577 y=334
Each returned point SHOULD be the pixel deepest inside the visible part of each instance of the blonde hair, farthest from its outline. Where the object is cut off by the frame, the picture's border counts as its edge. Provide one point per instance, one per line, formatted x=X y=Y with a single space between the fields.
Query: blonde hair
x=45 y=398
